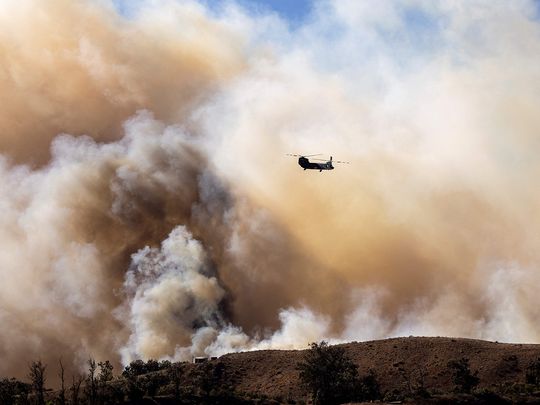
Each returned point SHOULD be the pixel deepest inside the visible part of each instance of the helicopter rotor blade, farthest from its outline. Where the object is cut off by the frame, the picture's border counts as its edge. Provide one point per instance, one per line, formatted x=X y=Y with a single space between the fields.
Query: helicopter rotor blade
x=333 y=161
x=320 y=160
x=293 y=154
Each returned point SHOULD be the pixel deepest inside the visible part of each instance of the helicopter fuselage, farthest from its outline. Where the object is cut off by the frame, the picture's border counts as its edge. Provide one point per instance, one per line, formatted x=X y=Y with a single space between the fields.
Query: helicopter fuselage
x=306 y=164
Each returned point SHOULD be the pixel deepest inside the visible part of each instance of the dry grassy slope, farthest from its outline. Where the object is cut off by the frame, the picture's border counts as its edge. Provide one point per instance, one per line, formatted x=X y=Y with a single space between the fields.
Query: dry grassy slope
x=273 y=372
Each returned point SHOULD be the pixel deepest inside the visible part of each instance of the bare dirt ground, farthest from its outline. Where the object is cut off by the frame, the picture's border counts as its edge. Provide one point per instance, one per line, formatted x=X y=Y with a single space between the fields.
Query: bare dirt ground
x=400 y=364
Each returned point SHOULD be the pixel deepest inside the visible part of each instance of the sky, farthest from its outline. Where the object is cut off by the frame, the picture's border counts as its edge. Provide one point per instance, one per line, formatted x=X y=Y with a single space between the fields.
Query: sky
x=149 y=208
x=293 y=11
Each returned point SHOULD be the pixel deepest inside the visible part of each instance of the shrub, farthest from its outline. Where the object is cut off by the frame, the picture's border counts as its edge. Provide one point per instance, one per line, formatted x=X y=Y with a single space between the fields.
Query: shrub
x=369 y=388
x=464 y=380
x=532 y=375
x=11 y=389
x=329 y=374
x=139 y=367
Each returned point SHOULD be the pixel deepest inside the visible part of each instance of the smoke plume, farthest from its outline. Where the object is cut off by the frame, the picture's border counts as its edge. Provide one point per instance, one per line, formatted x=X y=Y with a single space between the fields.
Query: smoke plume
x=148 y=209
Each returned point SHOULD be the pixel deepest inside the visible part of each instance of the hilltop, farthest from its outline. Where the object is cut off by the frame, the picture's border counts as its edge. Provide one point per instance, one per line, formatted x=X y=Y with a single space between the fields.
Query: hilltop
x=401 y=365
x=411 y=369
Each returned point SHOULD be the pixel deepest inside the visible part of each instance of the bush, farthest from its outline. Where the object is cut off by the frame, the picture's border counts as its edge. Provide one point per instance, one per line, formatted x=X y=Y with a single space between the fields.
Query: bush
x=369 y=388
x=11 y=389
x=329 y=374
x=532 y=374
x=139 y=367
x=464 y=380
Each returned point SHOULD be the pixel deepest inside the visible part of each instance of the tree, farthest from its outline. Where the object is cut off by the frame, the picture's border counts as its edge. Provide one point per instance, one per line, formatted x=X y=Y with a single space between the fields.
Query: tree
x=37 y=378
x=463 y=378
x=413 y=379
x=75 y=388
x=91 y=382
x=175 y=373
x=105 y=375
x=135 y=388
x=369 y=388
x=139 y=367
x=328 y=373
x=62 y=394
x=135 y=368
x=152 y=365
x=105 y=371
x=207 y=381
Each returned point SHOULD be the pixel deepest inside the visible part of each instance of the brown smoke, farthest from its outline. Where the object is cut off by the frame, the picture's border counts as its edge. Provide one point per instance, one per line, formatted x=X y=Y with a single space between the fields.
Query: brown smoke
x=78 y=67
x=168 y=222
x=430 y=230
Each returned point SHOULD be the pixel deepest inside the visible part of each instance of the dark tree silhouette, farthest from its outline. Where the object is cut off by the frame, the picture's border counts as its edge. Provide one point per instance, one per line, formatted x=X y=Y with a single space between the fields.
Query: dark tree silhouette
x=329 y=374
x=175 y=373
x=464 y=380
x=207 y=381
x=136 y=367
x=135 y=387
x=105 y=371
x=37 y=378
x=62 y=393
x=91 y=382
x=104 y=394
x=75 y=388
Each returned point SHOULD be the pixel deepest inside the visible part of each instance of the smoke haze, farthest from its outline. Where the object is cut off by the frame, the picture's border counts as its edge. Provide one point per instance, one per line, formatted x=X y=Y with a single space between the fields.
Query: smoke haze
x=148 y=210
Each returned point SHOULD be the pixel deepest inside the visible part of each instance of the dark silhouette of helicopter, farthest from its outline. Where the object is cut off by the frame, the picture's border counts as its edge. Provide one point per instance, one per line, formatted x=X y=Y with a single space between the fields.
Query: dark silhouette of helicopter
x=304 y=162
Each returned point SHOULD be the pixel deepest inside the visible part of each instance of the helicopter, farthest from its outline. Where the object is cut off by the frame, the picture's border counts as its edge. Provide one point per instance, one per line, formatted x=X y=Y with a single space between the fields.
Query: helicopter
x=304 y=162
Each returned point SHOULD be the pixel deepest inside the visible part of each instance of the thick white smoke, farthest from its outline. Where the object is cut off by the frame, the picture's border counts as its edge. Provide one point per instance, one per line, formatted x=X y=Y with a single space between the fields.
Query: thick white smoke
x=174 y=302
x=172 y=293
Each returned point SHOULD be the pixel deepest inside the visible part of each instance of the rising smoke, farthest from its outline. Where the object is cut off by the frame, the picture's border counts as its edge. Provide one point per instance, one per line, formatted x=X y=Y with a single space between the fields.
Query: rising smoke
x=148 y=210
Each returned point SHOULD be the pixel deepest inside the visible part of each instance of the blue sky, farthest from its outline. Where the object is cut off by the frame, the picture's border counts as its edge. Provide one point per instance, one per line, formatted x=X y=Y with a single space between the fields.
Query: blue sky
x=292 y=10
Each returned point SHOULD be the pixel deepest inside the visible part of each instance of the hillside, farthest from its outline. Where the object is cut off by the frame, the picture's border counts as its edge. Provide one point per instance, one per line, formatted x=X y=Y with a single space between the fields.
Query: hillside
x=400 y=364
x=413 y=370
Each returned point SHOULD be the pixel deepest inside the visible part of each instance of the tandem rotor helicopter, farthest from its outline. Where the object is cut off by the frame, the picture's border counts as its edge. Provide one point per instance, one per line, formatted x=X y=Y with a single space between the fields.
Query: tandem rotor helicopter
x=304 y=162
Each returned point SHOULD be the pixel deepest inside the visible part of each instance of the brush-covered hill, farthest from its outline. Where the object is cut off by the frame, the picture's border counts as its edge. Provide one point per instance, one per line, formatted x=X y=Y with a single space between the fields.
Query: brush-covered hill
x=412 y=369
x=402 y=366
